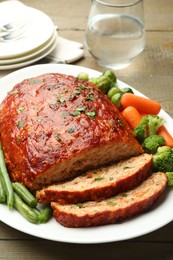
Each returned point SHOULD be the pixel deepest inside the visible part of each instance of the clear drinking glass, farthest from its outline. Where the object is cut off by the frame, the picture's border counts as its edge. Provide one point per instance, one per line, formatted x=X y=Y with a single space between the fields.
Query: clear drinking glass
x=115 y=32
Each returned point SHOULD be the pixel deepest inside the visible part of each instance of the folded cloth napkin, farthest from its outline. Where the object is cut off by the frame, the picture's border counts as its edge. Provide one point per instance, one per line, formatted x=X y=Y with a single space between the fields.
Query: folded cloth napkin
x=66 y=51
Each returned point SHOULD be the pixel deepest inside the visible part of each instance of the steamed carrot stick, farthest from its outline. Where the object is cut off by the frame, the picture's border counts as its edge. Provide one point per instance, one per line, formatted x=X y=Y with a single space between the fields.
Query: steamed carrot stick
x=162 y=131
x=143 y=105
x=132 y=116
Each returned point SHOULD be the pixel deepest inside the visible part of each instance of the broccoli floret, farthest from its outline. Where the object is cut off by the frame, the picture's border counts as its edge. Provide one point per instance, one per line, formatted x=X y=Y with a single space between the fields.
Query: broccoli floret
x=170 y=178
x=151 y=143
x=148 y=126
x=140 y=132
x=163 y=159
x=153 y=123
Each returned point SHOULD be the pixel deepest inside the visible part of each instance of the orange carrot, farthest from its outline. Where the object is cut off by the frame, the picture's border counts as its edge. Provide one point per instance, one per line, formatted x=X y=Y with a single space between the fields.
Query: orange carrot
x=132 y=116
x=143 y=105
x=162 y=131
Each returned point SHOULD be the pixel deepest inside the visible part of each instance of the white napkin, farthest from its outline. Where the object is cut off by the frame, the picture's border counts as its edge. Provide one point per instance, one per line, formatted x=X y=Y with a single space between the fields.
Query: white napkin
x=66 y=51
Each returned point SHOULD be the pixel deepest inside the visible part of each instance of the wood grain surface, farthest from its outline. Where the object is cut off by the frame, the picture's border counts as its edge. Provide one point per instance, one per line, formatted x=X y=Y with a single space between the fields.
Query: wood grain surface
x=152 y=74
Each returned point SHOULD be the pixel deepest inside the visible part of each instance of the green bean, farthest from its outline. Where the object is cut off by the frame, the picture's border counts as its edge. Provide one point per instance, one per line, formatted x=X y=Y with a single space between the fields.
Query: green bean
x=26 y=211
x=25 y=194
x=2 y=190
x=44 y=215
x=7 y=181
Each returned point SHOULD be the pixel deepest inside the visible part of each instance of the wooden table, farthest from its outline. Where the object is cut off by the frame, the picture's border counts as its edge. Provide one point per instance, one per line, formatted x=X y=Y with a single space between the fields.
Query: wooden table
x=151 y=73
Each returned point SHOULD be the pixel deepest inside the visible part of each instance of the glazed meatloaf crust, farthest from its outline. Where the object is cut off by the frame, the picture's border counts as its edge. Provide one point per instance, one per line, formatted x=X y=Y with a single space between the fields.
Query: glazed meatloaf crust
x=54 y=126
x=101 y=183
x=120 y=207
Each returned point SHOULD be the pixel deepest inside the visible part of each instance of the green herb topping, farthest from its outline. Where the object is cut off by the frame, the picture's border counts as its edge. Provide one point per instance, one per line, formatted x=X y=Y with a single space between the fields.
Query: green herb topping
x=111 y=203
x=70 y=130
x=79 y=204
x=20 y=124
x=99 y=179
x=91 y=114
x=35 y=81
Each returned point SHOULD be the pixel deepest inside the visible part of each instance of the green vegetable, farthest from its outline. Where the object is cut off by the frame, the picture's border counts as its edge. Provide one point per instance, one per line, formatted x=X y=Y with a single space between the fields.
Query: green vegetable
x=116 y=99
x=2 y=190
x=163 y=159
x=113 y=91
x=140 y=132
x=44 y=215
x=127 y=90
x=26 y=211
x=110 y=74
x=83 y=76
x=104 y=81
x=24 y=193
x=170 y=178
x=151 y=143
x=148 y=126
x=7 y=181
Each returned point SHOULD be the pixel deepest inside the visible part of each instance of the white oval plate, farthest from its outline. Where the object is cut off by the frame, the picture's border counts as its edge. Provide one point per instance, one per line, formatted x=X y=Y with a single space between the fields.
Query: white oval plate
x=160 y=215
x=39 y=29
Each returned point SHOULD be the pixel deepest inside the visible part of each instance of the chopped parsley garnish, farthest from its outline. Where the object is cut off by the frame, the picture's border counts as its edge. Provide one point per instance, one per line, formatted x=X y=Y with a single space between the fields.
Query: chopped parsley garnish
x=76 y=92
x=71 y=130
x=75 y=113
x=81 y=109
x=79 y=204
x=111 y=203
x=20 y=124
x=120 y=122
x=99 y=179
x=58 y=136
x=81 y=86
x=91 y=114
x=90 y=97
x=18 y=139
x=60 y=100
x=124 y=195
x=14 y=91
x=111 y=122
x=127 y=167
x=35 y=81
x=111 y=178
x=21 y=109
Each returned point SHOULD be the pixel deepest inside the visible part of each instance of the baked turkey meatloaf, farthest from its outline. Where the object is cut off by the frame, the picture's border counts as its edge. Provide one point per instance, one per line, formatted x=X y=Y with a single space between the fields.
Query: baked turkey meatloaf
x=54 y=126
x=117 y=208
x=100 y=183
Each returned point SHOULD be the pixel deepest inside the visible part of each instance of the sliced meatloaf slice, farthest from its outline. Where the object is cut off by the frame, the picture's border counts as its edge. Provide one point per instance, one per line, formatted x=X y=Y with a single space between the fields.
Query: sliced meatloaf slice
x=54 y=126
x=120 y=207
x=100 y=183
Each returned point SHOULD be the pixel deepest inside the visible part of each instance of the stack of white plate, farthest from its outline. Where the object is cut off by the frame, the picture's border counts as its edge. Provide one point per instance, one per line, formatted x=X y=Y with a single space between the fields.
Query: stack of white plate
x=37 y=38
